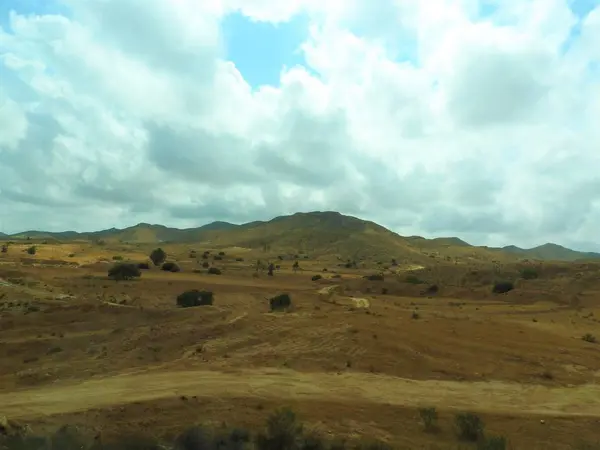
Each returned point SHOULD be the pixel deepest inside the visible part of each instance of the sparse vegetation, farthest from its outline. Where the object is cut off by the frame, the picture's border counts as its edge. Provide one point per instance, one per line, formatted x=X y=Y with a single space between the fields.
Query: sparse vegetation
x=413 y=279
x=117 y=258
x=214 y=271
x=31 y=250
x=374 y=277
x=195 y=298
x=4 y=248
x=170 y=267
x=158 y=256
x=124 y=271
x=316 y=277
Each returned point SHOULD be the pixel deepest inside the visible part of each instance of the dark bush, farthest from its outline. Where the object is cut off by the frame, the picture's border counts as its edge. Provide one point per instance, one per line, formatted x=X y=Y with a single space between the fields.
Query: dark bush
x=433 y=289
x=217 y=258
x=117 y=258
x=502 y=287
x=374 y=277
x=124 y=271
x=32 y=250
x=214 y=271
x=280 y=302
x=529 y=273
x=429 y=417
x=239 y=259
x=221 y=253
x=170 y=267
x=469 y=426
x=158 y=256
x=283 y=432
x=413 y=279
x=205 y=264
x=143 y=265
x=4 y=248
x=316 y=277
x=492 y=443
x=195 y=298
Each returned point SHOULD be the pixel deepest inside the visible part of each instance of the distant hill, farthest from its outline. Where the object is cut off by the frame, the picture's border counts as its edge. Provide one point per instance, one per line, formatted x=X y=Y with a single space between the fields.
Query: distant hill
x=316 y=232
x=550 y=251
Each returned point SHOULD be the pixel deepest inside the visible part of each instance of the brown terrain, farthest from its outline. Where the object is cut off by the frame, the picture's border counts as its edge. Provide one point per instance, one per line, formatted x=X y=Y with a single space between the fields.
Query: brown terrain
x=353 y=357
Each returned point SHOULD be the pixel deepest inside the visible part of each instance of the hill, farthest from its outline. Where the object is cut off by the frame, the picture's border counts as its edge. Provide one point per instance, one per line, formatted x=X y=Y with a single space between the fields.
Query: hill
x=550 y=251
x=318 y=233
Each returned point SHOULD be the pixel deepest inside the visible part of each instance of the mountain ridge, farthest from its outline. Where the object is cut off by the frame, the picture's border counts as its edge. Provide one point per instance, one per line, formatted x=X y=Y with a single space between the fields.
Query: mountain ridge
x=326 y=231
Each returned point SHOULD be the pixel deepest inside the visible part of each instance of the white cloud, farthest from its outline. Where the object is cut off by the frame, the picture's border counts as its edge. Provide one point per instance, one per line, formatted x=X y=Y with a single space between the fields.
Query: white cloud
x=424 y=116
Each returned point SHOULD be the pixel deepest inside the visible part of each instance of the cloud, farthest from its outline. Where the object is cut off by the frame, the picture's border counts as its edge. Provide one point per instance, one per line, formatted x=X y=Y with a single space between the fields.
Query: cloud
x=468 y=118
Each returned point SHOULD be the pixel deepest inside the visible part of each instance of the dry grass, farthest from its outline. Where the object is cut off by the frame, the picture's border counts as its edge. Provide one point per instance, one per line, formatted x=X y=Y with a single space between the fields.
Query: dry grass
x=77 y=347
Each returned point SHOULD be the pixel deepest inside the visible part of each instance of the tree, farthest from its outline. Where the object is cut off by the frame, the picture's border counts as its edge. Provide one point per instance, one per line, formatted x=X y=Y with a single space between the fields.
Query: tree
x=158 y=256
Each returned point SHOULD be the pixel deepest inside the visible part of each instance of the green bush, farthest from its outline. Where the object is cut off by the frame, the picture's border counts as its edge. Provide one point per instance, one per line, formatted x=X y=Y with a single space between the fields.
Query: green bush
x=429 y=417
x=32 y=250
x=170 y=267
x=529 y=273
x=195 y=298
x=469 y=426
x=316 y=277
x=214 y=271
x=280 y=302
x=502 y=287
x=124 y=271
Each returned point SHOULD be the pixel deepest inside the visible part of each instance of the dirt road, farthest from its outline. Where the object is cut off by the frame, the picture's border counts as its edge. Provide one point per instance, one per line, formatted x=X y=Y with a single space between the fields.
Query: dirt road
x=495 y=397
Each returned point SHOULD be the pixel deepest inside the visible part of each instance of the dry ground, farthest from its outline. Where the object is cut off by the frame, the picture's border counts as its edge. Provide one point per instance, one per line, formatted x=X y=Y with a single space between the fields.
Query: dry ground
x=79 y=348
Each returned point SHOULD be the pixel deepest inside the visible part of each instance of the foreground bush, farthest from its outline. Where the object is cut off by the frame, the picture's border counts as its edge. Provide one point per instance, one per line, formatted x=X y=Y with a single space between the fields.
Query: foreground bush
x=195 y=298
x=124 y=271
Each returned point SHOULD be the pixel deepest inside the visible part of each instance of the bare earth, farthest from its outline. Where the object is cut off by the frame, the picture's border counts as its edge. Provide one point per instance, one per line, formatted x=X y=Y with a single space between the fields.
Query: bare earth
x=353 y=358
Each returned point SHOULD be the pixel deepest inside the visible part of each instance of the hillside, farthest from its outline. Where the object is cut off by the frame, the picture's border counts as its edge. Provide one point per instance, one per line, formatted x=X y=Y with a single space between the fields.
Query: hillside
x=550 y=251
x=324 y=233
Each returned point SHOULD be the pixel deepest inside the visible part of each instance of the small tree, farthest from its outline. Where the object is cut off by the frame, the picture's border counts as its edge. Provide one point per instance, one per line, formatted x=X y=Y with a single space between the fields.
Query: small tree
x=158 y=256
x=124 y=271
x=32 y=250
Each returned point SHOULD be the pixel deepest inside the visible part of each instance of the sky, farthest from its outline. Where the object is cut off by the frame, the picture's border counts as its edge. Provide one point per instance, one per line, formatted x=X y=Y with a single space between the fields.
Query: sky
x=469 y=118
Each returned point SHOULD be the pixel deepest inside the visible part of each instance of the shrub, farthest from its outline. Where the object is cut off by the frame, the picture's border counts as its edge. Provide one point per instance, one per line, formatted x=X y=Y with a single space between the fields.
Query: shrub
x=4 y=248
x=217 y=258
x=529 y=273
x=280 y=302
x=429 y=417
x=239 y=259
x=374 y=277
x=588 y=337
x=492 y=443
x=205 y=264
x=214 y=271
x=469 y=426
x=170 y=267
x=221 y=253
x=32 y=250
x=413 y=279
x=433 y=289
x=502 y=287
x=117 y=258
x=195 y=298
x=316 y=277
x=158 y=256
x=124 y=271
x=143 y=265
x=283 y=432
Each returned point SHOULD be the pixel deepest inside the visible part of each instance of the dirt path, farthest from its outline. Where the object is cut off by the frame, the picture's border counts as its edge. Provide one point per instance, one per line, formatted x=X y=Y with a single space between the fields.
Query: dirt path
x=351 y=387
